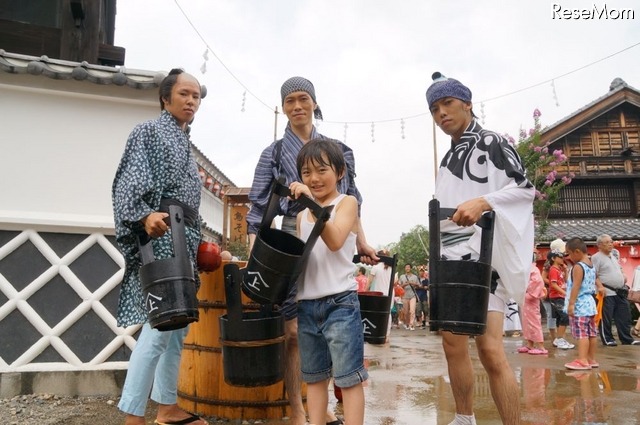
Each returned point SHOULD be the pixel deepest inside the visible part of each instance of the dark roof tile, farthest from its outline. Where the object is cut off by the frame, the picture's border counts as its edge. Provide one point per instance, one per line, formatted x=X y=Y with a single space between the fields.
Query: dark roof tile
x=64 y=70
x=590 y=229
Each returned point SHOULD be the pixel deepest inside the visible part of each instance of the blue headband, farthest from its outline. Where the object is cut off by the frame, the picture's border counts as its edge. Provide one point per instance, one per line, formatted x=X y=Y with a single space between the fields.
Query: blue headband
x=295 y=84
x=447 y=87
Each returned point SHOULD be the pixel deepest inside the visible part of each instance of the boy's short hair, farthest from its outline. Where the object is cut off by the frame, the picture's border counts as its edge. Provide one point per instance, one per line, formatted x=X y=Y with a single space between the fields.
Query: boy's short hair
x=576 y=243
x=313 y=150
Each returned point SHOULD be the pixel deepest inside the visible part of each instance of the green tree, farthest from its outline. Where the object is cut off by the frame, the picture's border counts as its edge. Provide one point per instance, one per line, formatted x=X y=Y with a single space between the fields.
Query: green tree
x=239 y=249
x=413 y=247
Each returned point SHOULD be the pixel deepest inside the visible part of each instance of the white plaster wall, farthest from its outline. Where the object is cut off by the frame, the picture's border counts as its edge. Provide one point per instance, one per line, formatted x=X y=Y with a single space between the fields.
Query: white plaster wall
x=212 y=210
x=59 y=151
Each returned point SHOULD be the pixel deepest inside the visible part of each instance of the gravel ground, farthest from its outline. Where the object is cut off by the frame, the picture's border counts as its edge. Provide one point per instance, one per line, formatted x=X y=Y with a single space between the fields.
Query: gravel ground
x=51 y=409
x=47 y=409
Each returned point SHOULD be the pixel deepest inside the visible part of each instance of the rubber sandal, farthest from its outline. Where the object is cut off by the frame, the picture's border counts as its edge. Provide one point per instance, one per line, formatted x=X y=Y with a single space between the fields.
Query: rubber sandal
x=538 y=351
x=189 y=420
x=336 y=422
x=577 y=365
x=524 y=349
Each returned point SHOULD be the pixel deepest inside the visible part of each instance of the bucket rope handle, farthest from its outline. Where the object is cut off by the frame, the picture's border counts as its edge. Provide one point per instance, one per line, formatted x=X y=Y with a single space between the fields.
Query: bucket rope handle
x=486 y=223
x=256 y=343
x=178 y=237
x=389 y=261
x=322 y=213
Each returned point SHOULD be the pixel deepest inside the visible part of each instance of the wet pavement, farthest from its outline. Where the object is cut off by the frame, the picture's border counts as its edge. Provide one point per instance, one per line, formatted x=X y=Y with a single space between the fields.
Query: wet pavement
x=408 y=385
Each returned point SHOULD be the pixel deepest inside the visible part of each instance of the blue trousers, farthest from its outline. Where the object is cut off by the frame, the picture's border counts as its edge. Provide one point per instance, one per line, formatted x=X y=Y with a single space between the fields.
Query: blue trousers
x=153 y=370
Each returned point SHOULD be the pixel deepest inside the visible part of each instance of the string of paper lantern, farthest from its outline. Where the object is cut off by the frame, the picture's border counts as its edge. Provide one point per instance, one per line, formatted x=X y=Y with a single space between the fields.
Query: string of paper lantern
x=555 y=95
x=211 y=183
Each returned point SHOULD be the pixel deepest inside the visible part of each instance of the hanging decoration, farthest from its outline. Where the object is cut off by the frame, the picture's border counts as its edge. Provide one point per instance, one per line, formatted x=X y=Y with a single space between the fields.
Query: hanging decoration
x=344 y=138
x=244 y=99
x=482 y=115
x=555 y=95
x=205 y=55
x=402 y=128
x=209 y=183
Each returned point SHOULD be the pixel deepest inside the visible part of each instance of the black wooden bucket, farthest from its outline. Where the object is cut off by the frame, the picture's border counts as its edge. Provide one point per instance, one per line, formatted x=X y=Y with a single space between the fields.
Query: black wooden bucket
x=252 y=342
x=273 y=266
x=277 y=258
x=459 y=290
x=459 y=299
x=375 y=309
x=169 y=285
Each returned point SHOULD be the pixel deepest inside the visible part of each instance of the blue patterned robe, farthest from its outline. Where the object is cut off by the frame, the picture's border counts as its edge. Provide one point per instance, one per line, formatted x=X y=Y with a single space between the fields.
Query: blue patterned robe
x=157 y=162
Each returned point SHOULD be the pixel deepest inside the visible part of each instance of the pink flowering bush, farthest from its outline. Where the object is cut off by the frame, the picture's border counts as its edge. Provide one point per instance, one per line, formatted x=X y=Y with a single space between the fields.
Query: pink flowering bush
x=544 y=169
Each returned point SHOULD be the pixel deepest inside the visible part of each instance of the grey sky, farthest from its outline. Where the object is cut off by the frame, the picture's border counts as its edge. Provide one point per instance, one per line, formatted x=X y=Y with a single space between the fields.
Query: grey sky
x=371 y=61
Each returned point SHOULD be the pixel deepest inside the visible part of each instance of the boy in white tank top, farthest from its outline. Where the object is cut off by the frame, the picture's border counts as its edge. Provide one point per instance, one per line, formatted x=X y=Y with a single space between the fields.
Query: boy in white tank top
x=330 y=333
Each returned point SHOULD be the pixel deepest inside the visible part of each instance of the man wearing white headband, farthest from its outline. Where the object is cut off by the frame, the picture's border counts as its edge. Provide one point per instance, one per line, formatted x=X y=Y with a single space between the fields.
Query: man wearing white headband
x=482 y=172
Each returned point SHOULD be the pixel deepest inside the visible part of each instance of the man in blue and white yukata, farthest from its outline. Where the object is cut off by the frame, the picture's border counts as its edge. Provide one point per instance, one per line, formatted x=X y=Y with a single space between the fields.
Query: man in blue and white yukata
x=279 y=159
x=482 y=172
x=157 y=169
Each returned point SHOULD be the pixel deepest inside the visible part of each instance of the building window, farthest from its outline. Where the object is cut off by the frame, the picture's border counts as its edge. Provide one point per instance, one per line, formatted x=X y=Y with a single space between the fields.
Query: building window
x=583 y=199
x=35 y=12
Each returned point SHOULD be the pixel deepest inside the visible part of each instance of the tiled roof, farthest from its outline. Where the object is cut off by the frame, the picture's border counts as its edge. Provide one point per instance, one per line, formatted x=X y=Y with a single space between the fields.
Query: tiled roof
x=617 y=85
x=64 y=70
x=589 y=229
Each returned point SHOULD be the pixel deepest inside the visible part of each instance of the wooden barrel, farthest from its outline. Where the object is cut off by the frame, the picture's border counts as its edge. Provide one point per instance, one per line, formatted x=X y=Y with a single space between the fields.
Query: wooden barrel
x=201 y=386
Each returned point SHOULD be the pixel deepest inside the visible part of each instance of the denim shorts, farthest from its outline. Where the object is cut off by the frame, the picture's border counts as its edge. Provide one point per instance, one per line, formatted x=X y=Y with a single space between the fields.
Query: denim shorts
x=331 y=340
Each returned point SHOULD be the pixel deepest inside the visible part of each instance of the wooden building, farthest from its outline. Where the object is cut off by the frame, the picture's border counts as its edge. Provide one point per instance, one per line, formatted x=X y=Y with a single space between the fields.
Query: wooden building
x=67 y=112
x=72 y=30
x=602 y=144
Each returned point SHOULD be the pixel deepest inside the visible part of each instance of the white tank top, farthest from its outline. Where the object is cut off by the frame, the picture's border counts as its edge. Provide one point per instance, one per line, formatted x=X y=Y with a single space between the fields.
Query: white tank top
x=326 y=272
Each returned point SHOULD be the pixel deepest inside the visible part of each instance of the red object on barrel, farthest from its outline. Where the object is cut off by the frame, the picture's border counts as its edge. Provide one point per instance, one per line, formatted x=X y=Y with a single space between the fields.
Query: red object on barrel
x=209 y=257
x=373 y=293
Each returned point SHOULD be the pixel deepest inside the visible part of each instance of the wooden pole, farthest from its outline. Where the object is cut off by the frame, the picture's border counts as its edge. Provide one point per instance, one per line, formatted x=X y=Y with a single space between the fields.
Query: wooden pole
x=225 y=225
x=435 y=150
x=275 y=125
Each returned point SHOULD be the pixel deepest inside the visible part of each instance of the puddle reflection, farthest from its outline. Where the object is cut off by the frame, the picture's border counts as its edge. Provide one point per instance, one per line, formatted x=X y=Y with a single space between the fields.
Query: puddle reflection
x=548 y=397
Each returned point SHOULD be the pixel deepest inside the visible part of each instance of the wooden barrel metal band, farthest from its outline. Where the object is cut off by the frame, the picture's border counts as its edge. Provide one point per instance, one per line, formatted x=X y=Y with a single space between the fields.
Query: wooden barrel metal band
x=220 y=305
x=256 y=343
x=196 y=347
x=236 y=403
